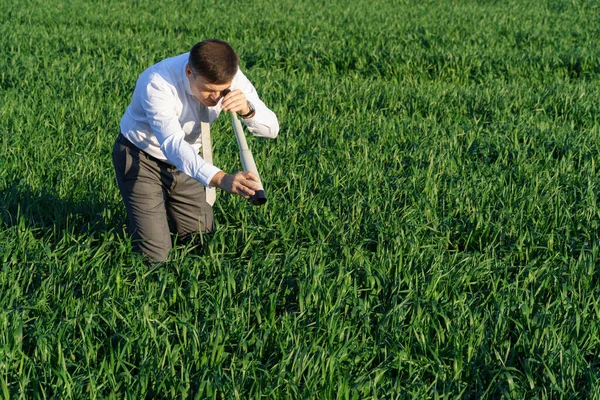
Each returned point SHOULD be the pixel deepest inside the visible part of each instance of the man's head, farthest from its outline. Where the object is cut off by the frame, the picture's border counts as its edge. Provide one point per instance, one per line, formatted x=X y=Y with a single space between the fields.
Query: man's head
x=211 y=67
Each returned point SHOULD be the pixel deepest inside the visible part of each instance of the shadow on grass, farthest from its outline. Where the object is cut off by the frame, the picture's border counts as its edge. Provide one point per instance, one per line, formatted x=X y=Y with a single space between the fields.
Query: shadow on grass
x=45 y=211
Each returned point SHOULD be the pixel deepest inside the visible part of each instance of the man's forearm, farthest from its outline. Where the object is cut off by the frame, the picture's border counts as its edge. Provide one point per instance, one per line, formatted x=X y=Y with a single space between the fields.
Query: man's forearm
x=186 y=159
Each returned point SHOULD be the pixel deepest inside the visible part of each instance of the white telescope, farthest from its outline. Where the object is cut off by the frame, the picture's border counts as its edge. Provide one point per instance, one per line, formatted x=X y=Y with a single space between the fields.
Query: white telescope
x=248 y=163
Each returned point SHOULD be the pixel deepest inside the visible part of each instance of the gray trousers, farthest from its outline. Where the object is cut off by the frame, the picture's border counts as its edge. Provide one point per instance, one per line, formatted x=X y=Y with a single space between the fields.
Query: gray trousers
x=158 y=198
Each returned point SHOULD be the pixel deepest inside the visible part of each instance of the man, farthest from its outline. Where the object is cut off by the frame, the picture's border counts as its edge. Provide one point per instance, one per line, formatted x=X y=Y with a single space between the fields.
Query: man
x=161 y=176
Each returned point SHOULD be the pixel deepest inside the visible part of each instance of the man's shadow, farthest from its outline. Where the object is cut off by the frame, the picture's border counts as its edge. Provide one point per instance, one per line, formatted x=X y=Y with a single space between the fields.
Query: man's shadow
x=45 y=213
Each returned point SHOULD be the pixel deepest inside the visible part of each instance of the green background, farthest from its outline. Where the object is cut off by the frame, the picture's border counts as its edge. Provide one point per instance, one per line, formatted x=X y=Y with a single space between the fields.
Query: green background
x=432 y=225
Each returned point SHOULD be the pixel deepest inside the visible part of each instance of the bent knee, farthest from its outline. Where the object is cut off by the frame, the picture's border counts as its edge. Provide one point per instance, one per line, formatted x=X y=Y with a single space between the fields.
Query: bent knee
x=156 y=250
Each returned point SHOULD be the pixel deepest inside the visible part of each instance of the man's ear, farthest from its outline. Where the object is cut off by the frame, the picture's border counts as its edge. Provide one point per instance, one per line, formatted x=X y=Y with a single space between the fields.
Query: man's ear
x=188 y=70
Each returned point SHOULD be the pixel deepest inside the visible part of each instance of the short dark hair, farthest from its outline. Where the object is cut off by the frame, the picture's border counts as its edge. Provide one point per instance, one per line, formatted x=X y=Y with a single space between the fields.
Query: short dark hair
x=214 y=60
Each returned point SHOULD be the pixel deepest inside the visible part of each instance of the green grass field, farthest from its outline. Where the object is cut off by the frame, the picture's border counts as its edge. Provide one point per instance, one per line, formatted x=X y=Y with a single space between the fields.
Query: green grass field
x=432 y=229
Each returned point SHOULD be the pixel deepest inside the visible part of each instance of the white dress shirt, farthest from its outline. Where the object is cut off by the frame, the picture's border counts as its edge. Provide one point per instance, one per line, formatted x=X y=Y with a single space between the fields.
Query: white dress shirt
x=164 y=117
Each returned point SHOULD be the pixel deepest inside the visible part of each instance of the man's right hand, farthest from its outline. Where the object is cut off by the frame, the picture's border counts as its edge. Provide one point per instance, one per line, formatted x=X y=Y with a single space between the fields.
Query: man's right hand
x=243 y=183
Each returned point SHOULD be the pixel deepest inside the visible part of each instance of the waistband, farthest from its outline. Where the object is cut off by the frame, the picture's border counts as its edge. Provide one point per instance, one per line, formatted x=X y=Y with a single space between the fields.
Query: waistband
x=126 y=142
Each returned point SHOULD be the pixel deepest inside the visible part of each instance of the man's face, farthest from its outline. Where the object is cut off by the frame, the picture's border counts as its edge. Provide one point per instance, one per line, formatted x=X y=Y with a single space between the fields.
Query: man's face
x=207 y=93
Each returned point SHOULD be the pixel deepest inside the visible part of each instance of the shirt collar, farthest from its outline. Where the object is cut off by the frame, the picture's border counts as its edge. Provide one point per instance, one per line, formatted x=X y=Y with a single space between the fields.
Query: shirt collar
x=186 y=80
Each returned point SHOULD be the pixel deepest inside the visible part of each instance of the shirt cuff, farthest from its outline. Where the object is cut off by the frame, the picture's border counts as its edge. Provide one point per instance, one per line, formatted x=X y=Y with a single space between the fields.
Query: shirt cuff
x=207 y=172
